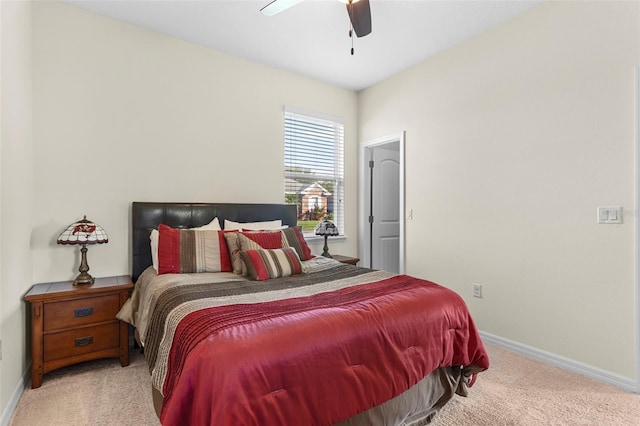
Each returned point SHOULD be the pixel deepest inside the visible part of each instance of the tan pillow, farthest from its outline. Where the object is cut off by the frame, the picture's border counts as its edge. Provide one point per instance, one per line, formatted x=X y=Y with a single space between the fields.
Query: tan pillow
x=234 y=245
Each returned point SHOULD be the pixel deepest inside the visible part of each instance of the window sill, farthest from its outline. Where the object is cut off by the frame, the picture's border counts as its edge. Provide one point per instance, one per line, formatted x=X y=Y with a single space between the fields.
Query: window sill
x=317 y=239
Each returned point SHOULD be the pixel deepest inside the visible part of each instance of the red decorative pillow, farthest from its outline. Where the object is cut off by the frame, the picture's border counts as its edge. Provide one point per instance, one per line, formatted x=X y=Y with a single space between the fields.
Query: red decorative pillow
x=266 y=239
x=265 y=264
x=191 y=251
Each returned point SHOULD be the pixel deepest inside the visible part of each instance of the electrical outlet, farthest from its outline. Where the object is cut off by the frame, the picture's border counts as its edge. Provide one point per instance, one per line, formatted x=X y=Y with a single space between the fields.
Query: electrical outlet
x=477 y=290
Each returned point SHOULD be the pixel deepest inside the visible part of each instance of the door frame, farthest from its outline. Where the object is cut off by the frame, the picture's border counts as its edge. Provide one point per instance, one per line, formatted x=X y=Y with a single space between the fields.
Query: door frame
x=637 y=228
x=363 y=179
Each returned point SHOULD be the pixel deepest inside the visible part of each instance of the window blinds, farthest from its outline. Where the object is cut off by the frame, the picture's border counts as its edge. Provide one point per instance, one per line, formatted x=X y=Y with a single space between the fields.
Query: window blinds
x=314 y=167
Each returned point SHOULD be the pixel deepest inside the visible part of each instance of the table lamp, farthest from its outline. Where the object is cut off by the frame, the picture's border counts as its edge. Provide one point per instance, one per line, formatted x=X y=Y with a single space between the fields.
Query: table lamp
x=83 y=232
x=326 y=228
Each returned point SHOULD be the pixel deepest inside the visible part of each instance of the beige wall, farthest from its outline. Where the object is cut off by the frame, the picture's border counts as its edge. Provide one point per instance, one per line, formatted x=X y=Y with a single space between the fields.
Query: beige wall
x=97 y=114
x=512 y=141
x=123 y=114
x=16 y=194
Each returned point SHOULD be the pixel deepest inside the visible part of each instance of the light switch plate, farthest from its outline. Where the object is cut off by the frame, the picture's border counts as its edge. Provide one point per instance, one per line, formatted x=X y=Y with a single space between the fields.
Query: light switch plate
x=477 y=290
x=610 y=214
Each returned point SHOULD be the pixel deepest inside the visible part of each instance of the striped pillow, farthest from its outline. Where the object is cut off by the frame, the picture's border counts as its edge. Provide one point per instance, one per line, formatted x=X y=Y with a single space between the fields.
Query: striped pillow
x=235 y=243
x=253 y=240
x=183 y=251
x=294 y=238
x=265 y=264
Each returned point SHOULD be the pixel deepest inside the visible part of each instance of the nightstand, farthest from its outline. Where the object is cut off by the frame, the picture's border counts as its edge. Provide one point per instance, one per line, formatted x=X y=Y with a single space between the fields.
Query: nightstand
x=75 y=324
x=346 y=259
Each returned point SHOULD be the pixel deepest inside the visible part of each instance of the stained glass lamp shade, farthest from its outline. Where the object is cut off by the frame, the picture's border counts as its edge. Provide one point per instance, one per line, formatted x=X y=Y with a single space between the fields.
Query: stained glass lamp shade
x=83 y=232
x=326 y=228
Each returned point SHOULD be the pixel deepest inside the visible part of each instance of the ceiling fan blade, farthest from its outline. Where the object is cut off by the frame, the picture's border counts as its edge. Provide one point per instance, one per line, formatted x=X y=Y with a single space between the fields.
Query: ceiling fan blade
x=360 y=16
x=277 y=6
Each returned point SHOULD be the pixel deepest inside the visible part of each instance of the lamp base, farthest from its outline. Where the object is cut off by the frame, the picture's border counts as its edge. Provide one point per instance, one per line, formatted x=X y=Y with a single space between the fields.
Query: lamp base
x=83 y=279
x=325 y=249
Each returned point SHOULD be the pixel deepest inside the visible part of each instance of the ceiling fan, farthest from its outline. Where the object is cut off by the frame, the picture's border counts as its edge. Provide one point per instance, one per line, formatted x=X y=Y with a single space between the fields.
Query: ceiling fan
x=359 y=14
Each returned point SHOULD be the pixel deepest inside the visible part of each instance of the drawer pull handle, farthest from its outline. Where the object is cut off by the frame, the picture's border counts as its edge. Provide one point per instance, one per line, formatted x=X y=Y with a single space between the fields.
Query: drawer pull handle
x=83 y=312
x=83 y=341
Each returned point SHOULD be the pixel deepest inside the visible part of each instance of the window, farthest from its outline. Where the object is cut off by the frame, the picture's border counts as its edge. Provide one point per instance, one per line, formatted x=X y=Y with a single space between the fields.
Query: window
x=314 y=168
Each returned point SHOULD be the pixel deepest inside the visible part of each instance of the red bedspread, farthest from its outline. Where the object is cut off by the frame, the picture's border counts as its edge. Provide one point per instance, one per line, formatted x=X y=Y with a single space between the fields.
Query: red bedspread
x=318 y=359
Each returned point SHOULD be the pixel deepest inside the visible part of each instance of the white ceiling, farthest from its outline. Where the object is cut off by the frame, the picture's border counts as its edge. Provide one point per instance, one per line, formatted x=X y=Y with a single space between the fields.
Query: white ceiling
x=311 y=38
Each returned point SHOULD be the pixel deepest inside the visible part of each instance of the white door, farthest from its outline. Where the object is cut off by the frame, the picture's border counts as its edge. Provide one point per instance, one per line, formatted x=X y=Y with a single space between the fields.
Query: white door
x=385 y=208
x=382 y=198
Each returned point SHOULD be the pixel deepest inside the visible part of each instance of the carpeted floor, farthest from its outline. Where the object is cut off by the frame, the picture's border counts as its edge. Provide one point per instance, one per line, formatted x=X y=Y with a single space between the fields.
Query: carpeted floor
x=514 y=391
x=96 y=393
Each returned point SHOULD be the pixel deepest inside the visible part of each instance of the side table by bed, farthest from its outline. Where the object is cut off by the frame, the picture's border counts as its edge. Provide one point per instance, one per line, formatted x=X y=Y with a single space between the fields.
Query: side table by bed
x=72 y=324
x=346 y=259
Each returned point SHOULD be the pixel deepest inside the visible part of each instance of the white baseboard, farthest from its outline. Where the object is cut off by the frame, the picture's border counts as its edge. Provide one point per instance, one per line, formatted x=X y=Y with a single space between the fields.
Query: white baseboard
x=15 y=397
x=614 y=379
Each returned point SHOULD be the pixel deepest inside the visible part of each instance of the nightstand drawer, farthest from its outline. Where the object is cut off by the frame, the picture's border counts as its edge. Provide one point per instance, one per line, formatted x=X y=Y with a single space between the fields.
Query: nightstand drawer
x=81 y=341
x=73 y=313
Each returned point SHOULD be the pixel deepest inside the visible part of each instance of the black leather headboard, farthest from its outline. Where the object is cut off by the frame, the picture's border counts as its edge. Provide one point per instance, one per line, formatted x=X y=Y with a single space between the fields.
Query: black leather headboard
x=147 y=216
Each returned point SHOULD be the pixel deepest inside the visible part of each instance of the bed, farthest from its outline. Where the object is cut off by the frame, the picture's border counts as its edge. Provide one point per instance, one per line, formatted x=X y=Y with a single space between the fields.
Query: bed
x=307 y=341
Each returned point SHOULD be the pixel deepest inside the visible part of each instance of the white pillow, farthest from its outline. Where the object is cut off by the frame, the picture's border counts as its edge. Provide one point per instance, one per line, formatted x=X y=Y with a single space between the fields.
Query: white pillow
x=230 y=225
x=214 y=225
